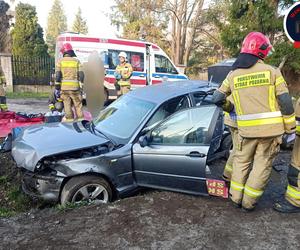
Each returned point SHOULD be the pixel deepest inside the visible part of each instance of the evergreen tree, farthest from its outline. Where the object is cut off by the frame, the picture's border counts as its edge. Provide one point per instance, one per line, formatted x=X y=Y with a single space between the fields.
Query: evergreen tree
x=79 y=24
x=264 y=16
x=4 y=27
x=57 y=23
x=27 y=35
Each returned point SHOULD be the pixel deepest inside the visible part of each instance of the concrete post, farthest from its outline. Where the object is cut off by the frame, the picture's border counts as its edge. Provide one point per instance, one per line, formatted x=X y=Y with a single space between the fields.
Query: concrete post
x=6 y=63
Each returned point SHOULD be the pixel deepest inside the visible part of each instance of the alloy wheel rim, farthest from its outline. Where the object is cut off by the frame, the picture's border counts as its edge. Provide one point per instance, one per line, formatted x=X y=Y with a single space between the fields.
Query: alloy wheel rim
x=91 y=193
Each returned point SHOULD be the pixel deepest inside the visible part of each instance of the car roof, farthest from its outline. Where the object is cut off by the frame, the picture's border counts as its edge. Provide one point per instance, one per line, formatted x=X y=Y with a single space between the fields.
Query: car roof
x=160 y=93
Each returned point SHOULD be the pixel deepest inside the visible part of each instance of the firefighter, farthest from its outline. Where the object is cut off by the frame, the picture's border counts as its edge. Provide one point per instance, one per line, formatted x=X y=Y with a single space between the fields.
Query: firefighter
x=70 y=77
x=264 y=113
x=291 y=203
x=230 y=122
x=55 y=101
x=123 y=73
x=3 y=105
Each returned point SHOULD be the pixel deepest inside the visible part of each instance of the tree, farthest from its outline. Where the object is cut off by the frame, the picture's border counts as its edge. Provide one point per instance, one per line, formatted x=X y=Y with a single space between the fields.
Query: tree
x=185 y=18
x=57 y=23
x=151 y=19
x=79 y=24
x=27 y=35
x=264 y=16
x=4 y=27
x=140 y=19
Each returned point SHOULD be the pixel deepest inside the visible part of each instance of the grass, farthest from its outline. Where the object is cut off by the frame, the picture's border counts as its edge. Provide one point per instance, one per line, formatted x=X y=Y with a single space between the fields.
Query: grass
x=6 y=212
x=69 y=205
x=17 y=95
x=13 y=200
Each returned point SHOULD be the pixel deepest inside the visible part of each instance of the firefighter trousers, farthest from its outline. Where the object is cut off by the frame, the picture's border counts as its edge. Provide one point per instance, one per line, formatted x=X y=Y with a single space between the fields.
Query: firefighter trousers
x=248 y=184
x=123 y=90
x=293 y=190
x=72 y=98
x=228 y=167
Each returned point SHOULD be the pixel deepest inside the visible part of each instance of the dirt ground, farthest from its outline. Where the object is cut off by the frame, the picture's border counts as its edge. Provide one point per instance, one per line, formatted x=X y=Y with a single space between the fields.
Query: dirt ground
x=159 y=220
x=156 y=220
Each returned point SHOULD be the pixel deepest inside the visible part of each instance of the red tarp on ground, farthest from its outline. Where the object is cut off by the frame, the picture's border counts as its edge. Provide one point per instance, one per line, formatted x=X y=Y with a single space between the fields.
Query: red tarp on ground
x=10 y=120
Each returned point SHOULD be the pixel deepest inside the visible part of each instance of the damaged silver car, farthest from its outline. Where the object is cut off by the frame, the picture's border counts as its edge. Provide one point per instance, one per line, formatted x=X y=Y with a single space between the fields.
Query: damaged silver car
x=161 y=136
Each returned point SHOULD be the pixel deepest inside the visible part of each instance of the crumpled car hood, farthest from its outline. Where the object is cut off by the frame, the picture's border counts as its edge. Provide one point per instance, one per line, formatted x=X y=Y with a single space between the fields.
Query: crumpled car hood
x=36 y=142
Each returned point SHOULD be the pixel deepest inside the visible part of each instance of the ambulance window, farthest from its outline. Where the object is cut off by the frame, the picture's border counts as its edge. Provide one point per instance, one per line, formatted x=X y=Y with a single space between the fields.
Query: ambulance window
x=136 y=59
x=113 y=58
x=163 y=65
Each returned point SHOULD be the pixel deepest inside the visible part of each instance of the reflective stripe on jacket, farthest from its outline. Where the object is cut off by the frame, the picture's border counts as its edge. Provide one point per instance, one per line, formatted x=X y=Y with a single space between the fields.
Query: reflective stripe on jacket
x=254 y=91
x=126 y=71
x=297 y=111
x=69 y=68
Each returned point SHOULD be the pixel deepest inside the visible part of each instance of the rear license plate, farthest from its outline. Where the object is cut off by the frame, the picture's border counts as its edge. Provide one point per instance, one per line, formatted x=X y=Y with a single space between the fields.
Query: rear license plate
x=217 y=188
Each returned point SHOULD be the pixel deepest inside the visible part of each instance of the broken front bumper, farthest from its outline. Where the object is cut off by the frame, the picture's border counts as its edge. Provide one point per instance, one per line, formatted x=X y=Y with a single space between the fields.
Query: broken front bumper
x=45 y=186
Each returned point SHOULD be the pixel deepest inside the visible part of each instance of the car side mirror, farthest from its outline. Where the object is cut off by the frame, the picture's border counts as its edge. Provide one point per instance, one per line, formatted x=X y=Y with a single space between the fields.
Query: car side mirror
x=144 y=141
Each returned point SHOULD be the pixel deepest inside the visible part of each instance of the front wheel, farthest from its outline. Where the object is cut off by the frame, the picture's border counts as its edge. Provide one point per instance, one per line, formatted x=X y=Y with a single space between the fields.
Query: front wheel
x=91 y=189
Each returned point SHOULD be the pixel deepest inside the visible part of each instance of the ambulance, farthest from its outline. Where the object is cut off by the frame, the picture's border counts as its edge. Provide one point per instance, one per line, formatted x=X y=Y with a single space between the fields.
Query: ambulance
x=150 y=63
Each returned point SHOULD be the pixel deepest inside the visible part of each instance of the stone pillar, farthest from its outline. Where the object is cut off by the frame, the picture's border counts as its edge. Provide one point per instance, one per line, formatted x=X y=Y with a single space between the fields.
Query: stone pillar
x=6 y=64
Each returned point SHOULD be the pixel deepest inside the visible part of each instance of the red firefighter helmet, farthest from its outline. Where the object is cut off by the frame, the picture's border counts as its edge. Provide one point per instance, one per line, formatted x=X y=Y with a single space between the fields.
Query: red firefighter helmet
x=66 y=47
x=257 y=44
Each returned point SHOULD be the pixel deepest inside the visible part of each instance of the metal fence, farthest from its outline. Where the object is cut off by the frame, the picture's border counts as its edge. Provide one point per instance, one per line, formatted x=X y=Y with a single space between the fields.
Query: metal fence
x=32 y=70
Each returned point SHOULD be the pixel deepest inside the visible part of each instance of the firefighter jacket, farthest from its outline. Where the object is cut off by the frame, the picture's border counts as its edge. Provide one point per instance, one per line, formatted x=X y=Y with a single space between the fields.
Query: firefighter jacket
x=69 y=73
x=54 y=98
x=2 y=82
x=125 y=70
x=256 y=91
x=230 y=117
x=297 y=109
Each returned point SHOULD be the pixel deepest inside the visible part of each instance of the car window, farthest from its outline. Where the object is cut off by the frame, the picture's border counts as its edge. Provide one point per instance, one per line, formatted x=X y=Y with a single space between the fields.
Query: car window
x=201 y=98
x=122 y=118
x=136 y=59
x=186 y=127
x=168 y=108
x=163 y=65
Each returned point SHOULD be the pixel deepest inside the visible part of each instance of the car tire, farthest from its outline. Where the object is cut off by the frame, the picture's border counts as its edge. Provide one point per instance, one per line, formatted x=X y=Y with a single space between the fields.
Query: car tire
x=86 y=188
x=226 y=145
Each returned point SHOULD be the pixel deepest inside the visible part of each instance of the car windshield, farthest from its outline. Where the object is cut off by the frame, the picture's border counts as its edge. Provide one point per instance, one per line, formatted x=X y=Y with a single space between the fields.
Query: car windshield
x=122 y=118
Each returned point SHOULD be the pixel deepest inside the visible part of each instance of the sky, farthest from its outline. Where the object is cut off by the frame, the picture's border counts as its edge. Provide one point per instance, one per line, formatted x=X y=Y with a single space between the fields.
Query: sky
x=96 y=13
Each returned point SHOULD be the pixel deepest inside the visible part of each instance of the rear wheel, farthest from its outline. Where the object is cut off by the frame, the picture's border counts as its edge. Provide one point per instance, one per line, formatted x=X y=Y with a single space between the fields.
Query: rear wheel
x=91 y=189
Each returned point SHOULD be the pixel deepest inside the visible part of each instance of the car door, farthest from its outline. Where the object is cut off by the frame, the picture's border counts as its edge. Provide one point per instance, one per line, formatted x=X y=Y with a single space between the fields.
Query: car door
x=201 y=98
x=176 y=154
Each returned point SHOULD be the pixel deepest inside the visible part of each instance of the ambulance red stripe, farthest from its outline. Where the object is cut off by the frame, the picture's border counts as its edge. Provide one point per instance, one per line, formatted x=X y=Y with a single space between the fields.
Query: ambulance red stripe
x=99 y=40
x=112 y=80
